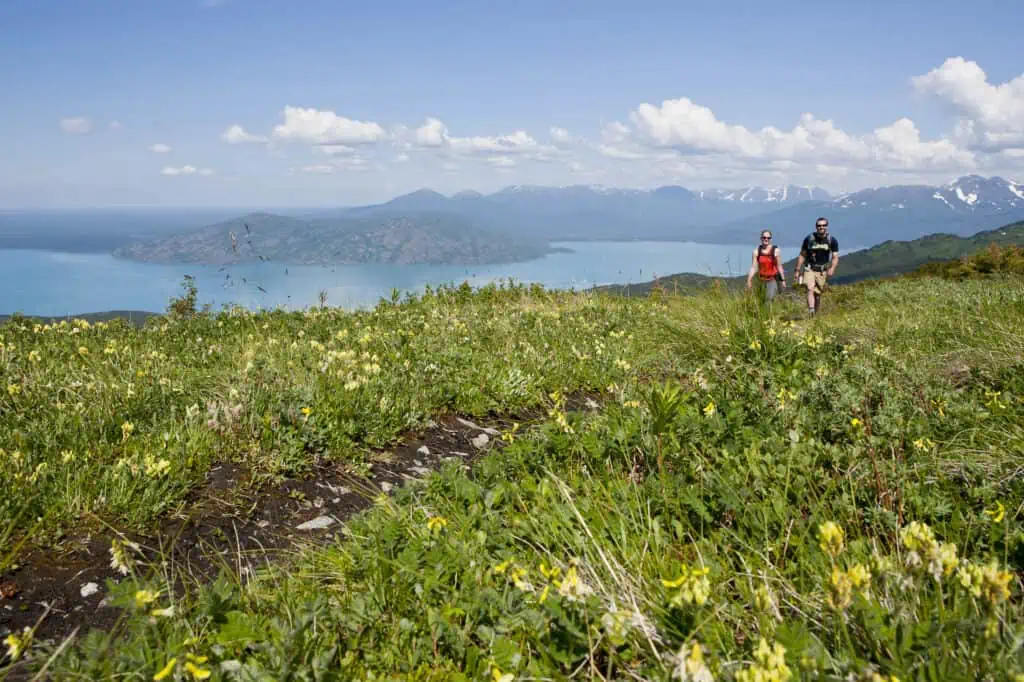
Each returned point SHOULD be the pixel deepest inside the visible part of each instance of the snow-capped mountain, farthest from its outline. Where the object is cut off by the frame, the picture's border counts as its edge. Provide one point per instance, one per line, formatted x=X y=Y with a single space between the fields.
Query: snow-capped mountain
x=590 y=212
x=779 y=195
x=969 y=194
x=965 y=206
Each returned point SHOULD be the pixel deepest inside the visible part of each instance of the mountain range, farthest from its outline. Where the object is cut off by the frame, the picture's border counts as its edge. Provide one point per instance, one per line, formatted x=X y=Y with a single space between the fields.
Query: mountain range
x=724 y=216
x=519 y=222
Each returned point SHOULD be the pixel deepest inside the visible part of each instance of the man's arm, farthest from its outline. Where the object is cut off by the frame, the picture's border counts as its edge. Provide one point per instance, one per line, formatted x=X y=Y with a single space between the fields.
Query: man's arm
x=799 y=267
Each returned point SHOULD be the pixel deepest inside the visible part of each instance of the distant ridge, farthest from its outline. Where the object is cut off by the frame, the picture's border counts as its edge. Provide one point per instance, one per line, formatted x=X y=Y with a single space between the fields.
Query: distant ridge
x=887 y=259
x=135 y=317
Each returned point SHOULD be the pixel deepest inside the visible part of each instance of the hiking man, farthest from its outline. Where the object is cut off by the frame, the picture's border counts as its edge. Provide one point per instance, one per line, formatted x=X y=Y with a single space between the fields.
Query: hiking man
x=821 y=251
x=767 y=265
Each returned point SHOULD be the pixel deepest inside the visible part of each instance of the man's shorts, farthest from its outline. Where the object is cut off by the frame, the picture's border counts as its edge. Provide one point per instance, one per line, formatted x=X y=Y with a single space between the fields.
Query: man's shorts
x=815 y=279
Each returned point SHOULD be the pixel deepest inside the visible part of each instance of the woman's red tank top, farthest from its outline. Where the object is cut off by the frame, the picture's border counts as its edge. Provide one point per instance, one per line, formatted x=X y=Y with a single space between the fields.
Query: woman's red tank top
x=766 y=266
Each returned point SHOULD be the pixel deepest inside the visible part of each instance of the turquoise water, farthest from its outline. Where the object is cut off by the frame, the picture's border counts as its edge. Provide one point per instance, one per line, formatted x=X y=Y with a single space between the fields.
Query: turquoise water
x=56 y=283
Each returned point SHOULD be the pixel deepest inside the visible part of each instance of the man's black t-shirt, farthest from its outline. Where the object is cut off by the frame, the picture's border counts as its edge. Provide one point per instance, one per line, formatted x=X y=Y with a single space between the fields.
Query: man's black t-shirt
x=818 y=251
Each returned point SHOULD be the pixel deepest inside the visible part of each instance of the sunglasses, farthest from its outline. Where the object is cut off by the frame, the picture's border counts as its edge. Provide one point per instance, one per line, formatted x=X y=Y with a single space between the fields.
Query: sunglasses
x=821 y=226
x=764 y=239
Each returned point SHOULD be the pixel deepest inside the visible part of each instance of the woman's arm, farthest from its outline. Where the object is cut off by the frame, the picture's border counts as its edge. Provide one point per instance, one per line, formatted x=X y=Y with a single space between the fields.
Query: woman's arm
x=753 y=269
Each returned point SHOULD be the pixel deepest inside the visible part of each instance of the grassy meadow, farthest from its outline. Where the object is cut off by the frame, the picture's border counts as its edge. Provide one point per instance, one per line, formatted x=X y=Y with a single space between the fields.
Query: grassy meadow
x=758 y=497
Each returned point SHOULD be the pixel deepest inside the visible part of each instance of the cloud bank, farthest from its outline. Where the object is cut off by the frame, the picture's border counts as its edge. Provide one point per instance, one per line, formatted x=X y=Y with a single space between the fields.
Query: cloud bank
x=679 y=138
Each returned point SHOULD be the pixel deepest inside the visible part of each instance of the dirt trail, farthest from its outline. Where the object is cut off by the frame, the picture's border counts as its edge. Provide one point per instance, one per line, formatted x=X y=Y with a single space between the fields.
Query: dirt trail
x=227 y=524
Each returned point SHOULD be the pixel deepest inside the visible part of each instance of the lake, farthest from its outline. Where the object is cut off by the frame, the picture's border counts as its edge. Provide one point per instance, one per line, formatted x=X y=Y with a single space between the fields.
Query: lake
x=52 y=283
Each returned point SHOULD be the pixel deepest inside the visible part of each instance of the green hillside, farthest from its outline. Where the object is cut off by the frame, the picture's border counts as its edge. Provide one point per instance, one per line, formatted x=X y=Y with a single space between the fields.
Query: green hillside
x=515 y=484
x=882 y=260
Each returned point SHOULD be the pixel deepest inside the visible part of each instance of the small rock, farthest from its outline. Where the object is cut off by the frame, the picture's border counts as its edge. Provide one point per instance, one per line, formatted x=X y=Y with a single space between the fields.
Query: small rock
x=335 y=489
x=263 y=524
x=460 y=454
x=422 y=471
x=592 y=404
x=485 y=429
x=89 y=589
x=317 y=523
x=385 y=486
x=481 y=441
x=423 y=450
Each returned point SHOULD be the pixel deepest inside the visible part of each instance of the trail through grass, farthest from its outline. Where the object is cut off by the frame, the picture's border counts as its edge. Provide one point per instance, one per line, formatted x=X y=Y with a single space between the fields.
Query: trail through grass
x=836 y=498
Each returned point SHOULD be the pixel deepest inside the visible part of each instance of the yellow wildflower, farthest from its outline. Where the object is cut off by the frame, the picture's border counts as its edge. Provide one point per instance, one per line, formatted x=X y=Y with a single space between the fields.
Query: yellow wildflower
x=985 y=582
x=17 y=643
x=694 y=586
x=498 y=676
x=144 y=597
x=709 y=409
x=690 y=666
x=573 y=588
x=770 y=667
x=196 y=672
x=996 y=514
x=437 y=522
x=832 y=536
x=166 y=670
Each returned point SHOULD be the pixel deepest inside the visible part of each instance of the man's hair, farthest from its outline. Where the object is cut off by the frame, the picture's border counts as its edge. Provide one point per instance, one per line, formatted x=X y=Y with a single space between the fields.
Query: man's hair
x=821 y=220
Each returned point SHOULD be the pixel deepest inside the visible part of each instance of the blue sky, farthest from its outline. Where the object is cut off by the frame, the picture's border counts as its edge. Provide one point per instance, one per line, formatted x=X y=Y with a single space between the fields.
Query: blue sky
x=340 y=103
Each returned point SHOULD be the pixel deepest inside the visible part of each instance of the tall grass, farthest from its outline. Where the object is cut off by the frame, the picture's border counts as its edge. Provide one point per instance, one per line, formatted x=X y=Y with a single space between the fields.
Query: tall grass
x=836 y=498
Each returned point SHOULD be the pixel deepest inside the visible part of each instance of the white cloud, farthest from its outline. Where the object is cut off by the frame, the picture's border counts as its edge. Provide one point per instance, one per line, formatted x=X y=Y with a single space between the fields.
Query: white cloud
x=159 y=148
x=993 y=115
x=680 y=138
x=173 y=171
x=693 y=129
x=76 y=126
x=501 y=161
x=236 y=134
x=560 y=136
x=336 y=150
x=320 y=169
x=433 y=134
x=326 y=128
x=114 y=125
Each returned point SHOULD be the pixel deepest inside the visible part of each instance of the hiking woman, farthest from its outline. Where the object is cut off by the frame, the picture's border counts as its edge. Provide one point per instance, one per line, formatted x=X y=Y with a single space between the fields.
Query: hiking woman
x=767 y=265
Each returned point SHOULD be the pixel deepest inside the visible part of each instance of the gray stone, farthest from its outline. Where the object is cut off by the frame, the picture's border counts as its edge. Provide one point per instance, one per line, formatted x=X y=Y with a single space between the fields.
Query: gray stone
x=316 y=524
x=485 y=429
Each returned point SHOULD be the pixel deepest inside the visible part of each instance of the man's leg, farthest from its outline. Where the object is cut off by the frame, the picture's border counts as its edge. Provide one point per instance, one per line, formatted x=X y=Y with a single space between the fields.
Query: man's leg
x=808 y=281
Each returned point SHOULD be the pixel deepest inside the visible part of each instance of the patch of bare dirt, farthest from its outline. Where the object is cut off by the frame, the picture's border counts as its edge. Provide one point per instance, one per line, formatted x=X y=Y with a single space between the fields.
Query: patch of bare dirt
x=232 y=524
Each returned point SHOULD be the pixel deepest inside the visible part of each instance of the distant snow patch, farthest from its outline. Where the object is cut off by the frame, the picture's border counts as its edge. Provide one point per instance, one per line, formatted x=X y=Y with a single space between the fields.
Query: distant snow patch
x=1016 y=190
x=941 y=198
x=969 y=199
